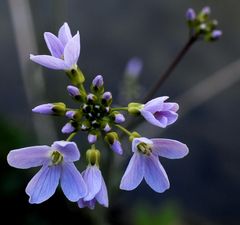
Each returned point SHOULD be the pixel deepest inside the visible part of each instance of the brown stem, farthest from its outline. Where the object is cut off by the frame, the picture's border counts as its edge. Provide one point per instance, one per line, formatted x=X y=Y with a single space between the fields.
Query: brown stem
x=170 y=69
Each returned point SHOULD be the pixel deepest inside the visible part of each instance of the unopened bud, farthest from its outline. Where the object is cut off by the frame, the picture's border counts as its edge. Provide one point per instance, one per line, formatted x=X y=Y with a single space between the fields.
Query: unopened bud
x=58 y=109
x=119 y=118
x=92 y=138
x=190 y=14
x=68 y=128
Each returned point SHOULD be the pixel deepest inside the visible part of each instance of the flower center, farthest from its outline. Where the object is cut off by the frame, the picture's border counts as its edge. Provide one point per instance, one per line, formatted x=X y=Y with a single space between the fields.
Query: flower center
x=144 y=148
x=56 y=157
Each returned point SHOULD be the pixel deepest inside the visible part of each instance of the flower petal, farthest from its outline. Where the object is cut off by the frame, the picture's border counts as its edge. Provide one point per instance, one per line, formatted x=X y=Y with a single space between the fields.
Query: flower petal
x=169 y=148
x=64 y=34
x=155 y=174
x=49 y=62
x=25 y=158
x=155 y=104
x=133 y=174
x=72 y=182
x=54 y=45
x=90 y=204
x=43 y=185
x=170 y=106
x=68 y=149
x=151 y=119
x=102 y=195
x=93 y=178
x=72 y=51
x=117 y=147
x=166 y=117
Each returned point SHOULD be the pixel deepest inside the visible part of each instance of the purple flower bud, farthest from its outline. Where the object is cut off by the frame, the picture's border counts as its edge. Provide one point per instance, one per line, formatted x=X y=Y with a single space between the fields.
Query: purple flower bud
x=134 y=67
x=107 y=128
x=44 y=109
x=68 y=128
x=117 y=147
x=107 y=96
x=98 y=81
x=73 y=91
x=190 y=14
x=216 y=34
x=70 y=114
x=90 y=97
x=92 y=138
x=206 y=10
x=119 y=118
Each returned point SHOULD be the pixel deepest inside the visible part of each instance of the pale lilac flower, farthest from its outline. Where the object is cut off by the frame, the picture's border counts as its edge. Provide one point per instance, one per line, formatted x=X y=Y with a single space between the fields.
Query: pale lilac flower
x=160 y=113
x=145 y=163
x=64 y=49
x=97 y=191
x=57 y=165
x=190 y=14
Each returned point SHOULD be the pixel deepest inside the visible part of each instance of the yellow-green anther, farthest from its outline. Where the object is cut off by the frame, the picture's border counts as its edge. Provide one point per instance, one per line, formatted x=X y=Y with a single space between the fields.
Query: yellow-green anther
x=93 y=157
x=144 y=148
x=56 y=157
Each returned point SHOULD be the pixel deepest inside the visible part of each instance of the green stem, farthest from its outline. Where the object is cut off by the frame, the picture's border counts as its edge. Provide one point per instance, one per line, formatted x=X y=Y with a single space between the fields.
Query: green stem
x=71 y=136
x=120 y=108
x=123 y=129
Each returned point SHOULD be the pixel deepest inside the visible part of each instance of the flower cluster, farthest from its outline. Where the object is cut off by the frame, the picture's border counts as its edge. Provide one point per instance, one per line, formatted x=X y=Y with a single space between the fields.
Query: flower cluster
x=97 y=117
x=201 y=26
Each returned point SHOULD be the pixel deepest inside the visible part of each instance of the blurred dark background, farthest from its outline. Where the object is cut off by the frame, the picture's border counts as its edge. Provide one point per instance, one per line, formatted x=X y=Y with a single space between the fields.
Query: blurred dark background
x=205 y=185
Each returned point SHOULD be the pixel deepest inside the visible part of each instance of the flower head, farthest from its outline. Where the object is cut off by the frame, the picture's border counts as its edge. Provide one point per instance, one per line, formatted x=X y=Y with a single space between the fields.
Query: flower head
x=145 y=164
x=57 y=165
x=160 y=113
x=64 y=49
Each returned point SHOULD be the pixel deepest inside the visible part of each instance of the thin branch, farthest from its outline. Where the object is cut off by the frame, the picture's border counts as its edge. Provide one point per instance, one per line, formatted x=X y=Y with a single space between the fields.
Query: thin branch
x=170 y=68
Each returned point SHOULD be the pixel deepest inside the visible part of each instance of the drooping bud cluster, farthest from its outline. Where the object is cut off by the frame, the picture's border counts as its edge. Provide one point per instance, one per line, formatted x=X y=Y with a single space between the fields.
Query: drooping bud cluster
x=202 y=26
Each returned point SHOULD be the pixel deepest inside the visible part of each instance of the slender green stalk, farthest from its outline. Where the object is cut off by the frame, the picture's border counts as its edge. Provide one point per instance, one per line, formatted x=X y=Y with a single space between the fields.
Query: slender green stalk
x=71 y=136
x=120 y=109
x=123 y=129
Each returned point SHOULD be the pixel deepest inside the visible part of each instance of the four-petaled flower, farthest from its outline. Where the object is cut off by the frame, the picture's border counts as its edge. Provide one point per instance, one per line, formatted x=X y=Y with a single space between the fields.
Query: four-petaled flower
x=97 y=190
x=57 y=164
x=145 y=164
x=64 y=49
x=160 y=113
